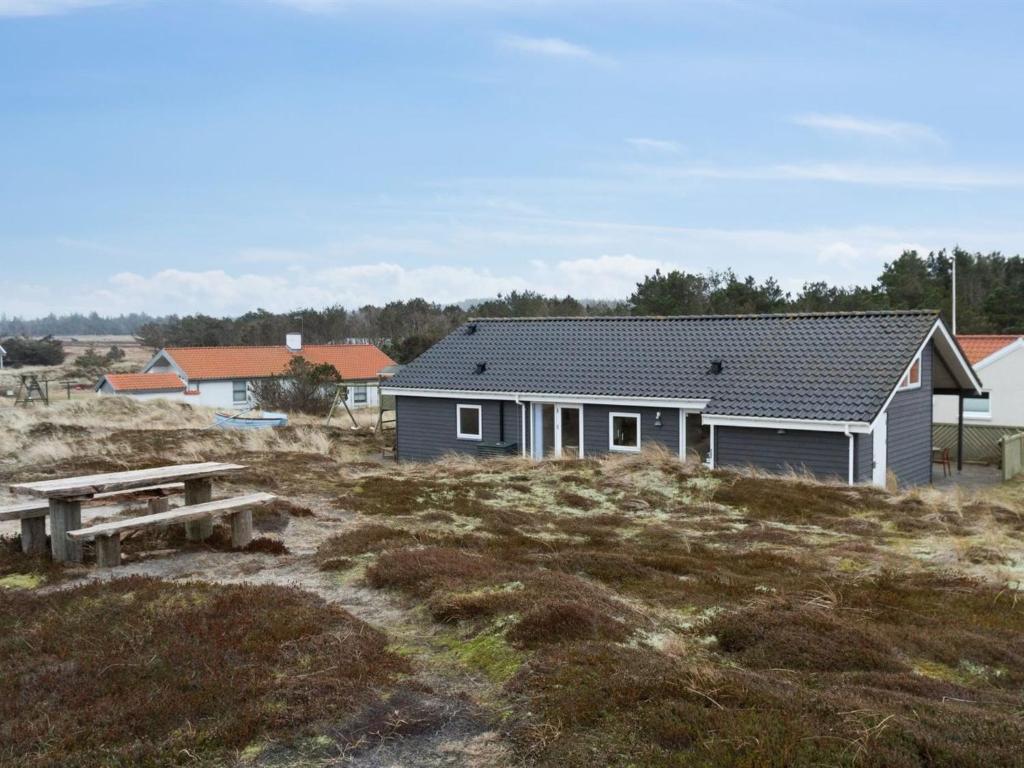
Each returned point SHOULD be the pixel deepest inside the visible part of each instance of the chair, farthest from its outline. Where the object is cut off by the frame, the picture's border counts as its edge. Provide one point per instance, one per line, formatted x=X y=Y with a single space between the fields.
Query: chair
x=941 y=456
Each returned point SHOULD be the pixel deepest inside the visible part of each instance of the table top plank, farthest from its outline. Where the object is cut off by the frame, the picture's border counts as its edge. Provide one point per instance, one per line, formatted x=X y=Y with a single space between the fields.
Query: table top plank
x=88 y=486
x=176 y=515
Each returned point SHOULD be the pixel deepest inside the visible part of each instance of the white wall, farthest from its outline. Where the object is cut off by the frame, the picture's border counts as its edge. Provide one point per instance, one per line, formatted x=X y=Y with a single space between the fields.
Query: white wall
x=372 y=397
x=216 y=394
x=1004 y=380
x=106 y=390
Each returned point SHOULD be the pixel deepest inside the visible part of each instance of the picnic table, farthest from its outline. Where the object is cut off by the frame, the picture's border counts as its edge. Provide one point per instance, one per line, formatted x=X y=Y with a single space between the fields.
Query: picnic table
x=65 y=497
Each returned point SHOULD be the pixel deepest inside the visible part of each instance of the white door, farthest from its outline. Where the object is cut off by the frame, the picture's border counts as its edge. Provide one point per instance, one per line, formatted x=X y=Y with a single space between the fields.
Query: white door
x=568 y=431
x=878 y=450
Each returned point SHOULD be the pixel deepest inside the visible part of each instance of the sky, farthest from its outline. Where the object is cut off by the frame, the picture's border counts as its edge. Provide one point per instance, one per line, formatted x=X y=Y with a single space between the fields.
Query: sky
x=176 y=156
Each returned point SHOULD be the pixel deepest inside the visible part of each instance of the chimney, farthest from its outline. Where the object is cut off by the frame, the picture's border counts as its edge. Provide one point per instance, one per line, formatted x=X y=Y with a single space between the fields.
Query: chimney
x=293 y=341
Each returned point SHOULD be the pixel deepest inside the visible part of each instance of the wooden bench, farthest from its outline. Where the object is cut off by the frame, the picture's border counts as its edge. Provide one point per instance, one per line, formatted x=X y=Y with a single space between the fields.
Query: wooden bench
x=108 y=535
x=32 y=514
x=66 y=496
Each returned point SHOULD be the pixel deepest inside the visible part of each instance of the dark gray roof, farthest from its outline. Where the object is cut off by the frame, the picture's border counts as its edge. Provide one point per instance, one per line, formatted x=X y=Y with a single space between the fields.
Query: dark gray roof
x=836 y=366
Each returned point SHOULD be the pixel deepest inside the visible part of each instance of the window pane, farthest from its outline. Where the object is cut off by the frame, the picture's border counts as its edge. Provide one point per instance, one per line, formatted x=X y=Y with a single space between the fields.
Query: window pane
x=977 y=405
x=624 y=431
x=469 y=421
x=359 y=394
x=239 y=390
x=915 y=372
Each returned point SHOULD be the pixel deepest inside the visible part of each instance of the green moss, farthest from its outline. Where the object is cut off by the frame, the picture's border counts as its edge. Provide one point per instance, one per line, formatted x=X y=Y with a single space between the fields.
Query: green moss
x=21 y=581
x=487 y=653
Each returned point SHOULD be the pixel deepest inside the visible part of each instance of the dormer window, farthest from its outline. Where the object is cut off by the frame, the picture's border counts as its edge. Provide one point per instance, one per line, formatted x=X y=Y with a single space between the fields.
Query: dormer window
x=912 y=378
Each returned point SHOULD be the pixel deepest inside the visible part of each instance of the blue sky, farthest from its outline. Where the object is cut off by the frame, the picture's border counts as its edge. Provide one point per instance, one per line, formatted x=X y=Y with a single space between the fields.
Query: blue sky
x=218 y=156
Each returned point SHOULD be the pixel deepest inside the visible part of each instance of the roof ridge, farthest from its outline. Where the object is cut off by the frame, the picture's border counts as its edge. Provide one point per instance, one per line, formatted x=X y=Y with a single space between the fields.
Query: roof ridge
x=273 y=346
x=750 y=316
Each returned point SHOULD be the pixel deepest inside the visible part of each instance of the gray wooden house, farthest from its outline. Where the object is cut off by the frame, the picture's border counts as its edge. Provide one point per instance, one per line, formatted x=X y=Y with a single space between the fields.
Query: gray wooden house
x=841 y=395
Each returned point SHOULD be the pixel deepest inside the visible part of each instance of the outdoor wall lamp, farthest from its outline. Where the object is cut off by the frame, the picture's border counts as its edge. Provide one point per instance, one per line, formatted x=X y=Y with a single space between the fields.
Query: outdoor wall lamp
x=657 y=419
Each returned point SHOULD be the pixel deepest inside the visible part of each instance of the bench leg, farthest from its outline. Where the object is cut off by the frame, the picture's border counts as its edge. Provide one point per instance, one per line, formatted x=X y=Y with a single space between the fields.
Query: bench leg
x=156 y=506
x=198 y=492
x=108 y=550
x=241 y=528
x=33 y=535
x=65 y=516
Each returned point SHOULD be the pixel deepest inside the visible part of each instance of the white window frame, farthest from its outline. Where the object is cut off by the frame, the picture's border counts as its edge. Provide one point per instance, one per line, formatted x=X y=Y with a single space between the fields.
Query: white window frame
x=356 y=389
x=459 y=408
x=234 y=397
x=905 y=382
x=612 y=415
x=974 y=416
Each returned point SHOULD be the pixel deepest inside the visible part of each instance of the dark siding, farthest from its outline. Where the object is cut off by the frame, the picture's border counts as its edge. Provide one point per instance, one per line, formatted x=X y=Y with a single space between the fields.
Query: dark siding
x=909 y=429
x=595 y=427
x=426 y=426
x=863 y=458
x=823 y=454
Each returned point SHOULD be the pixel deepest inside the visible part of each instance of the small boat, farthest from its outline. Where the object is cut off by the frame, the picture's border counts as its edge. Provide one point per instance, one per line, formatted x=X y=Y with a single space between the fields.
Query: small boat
x=266 y=420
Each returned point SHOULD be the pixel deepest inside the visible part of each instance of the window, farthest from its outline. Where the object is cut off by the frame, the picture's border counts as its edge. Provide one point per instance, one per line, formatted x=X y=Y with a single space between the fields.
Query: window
x=912 y=378
x=977 y=408
x=468 y=422
x=192 y=388
x=359 y=393
x=624 y=431
x=240 y=391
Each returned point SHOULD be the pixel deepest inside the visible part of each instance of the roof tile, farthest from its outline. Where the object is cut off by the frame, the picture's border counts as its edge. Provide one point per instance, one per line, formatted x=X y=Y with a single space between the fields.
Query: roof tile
x=835 y=366
x=353 y=361
x=145 y=382
x=979 y=346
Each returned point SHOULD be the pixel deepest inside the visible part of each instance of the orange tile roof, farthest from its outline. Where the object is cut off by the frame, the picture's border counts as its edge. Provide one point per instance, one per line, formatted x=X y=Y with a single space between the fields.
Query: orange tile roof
x=979 y=346
x=145 y=382
x=353 y=361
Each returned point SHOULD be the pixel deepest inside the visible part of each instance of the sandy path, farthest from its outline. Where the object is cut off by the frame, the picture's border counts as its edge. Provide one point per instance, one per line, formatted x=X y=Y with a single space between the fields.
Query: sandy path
x=453 y=727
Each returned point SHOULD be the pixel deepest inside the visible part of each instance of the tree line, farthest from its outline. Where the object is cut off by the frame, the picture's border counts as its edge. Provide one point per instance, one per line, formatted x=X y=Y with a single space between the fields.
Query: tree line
x=75 y=324
x=990 y=291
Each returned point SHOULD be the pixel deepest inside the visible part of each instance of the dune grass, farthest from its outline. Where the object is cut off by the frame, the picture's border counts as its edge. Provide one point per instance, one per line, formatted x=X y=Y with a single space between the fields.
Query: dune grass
x=660 y=615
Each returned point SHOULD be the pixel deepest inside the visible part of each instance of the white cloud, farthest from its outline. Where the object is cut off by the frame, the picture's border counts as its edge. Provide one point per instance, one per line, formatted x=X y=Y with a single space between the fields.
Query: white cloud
x=585 y=258
x=655 y=145
x=551 y=47
x=860 y=126
x=49 y=7
x=851 y=257
x=940 y=177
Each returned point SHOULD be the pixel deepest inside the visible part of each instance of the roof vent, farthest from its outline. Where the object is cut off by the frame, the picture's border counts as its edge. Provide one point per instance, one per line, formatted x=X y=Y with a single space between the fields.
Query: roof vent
x=716 y=367
x=481 y=367
x=471 y=329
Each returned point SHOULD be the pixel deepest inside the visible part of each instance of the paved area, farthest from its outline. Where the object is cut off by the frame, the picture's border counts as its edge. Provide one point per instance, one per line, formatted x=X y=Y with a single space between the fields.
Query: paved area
x=974 y=477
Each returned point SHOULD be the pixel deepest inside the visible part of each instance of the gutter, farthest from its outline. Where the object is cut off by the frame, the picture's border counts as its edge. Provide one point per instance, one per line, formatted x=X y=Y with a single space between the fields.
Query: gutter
x=849 y=434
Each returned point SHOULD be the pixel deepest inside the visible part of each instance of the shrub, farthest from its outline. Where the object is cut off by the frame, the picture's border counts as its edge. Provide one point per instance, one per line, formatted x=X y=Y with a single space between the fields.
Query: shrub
x=143 y=672
x=25 y=351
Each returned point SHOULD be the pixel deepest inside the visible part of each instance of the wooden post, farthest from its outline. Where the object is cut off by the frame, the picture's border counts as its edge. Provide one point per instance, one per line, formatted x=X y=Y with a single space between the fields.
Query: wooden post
x=33 y=535
x=108 y=550
x=199 y=492
x=158 y=505
x=65 y=515
x=241 y=528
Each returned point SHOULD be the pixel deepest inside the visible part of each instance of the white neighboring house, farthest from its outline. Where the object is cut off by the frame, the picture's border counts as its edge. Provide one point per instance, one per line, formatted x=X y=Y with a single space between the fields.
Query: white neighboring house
x=999 y=362
x=222 y=377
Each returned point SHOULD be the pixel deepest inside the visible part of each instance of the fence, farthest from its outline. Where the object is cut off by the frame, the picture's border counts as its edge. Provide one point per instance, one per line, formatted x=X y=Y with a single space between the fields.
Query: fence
x=1013 y=455
x=981 y=441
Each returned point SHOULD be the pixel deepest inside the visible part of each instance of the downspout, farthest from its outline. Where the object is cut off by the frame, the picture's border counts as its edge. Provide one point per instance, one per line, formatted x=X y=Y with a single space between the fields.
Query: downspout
x=522 y=425
x=849 y=434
